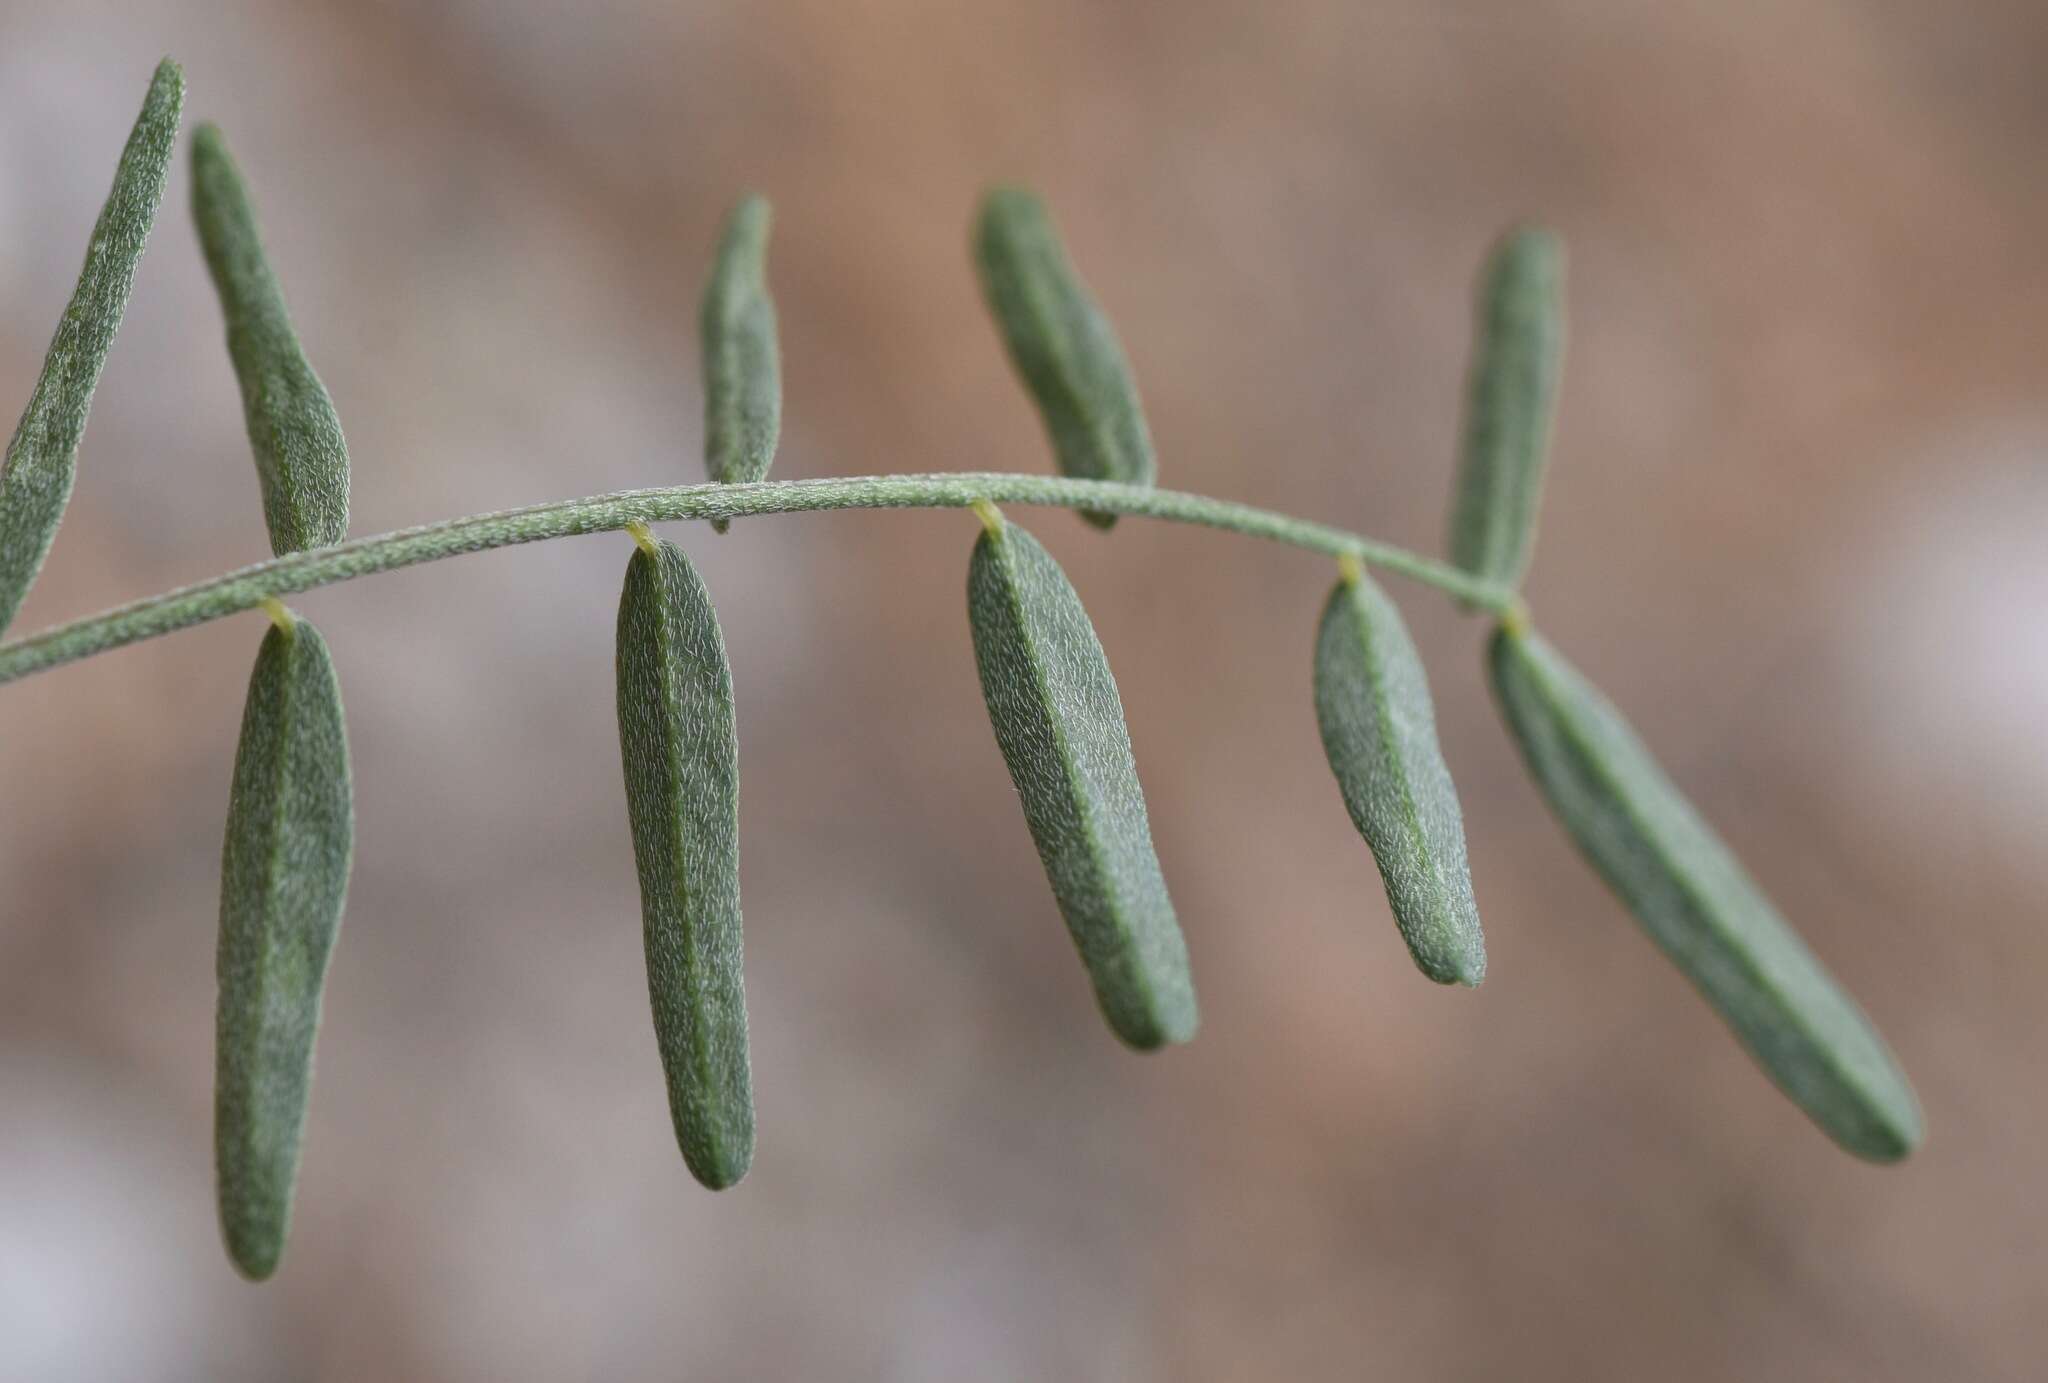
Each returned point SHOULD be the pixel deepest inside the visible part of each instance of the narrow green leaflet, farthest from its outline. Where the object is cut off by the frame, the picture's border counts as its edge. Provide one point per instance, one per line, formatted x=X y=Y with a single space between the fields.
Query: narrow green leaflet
x=1511 y=397
x=1060 y=724
x=742 y=363
x=42 y=460
x=1062 y=345
x=301 y=459
x=680 y=744
x=284 y=874
x=1379 y=731
x=1699 y=905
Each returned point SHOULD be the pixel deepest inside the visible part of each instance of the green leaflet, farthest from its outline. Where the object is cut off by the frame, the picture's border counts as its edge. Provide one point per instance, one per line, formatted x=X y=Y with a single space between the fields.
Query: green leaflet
x=1379 y=731
x=742 y=364
x=681 y=751
x=284 y=874
x=1060 y=724
x=1698 y=904
x=285 y=867
x=301 y=459
x=42 y=460
x=1511 y=397
x=1062 y=345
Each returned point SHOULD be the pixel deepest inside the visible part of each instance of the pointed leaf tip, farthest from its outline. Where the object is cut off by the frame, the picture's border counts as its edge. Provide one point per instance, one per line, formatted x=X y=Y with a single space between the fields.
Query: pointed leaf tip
x=1699 y=905
x=294 y=432
x=42 y=458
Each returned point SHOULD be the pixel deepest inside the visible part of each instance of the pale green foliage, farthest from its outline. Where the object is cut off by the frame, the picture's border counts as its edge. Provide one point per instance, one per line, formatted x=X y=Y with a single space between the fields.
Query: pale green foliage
x=42 y=460
x=284 y=875
x=1052 y=701
x=1062 y=345
x=1379 y=731
x=289 y=827
x=1060 y=724
x=301 y=458
x=1511 y=397
x=680 y=744
x=1698 y=904
x=742 y=363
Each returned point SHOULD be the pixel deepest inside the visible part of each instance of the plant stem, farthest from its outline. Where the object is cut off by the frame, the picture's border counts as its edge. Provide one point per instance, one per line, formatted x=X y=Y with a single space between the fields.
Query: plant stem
x=302 y=571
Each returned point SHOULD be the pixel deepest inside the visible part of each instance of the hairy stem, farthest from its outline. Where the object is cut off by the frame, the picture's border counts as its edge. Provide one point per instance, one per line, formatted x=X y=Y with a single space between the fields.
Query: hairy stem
x=302 y=571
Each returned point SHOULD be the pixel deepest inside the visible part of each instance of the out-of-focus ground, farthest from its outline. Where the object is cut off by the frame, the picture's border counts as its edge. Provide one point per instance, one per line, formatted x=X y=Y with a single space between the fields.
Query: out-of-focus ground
x=1795 y=526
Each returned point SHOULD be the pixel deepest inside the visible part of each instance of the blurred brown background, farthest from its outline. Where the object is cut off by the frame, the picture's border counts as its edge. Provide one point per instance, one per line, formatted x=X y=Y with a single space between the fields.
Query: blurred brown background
x=1795 y=527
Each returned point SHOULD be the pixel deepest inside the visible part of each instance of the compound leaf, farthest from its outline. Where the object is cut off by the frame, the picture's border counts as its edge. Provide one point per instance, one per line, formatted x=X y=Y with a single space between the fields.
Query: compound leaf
x=42 y=459
x=1699 y=905
x=1060 y=725
x=680 y=743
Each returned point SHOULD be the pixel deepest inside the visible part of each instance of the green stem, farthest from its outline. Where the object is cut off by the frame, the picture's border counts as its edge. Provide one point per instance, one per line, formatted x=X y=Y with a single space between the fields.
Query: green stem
x=302 y=571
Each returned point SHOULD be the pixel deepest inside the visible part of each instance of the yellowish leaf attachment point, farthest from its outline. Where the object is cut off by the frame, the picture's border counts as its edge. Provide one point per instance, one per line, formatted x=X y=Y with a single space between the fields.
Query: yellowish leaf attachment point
x=1350 y=568
x=280 y=616
x=990 y=516
x=1515 y=620
x=644 y=536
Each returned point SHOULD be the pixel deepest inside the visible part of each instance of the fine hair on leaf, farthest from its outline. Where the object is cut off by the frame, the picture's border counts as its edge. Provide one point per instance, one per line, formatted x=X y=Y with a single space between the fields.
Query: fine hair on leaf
x=1060 y=724
x=679 y=740
x=42 y=458
x=742 y=361
x=1698 y=903
x=1062 y=345
x=301 y=457
x=284 y=878
x=1510 y=399
x=1379 y=732
x=1053 y=705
